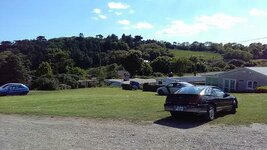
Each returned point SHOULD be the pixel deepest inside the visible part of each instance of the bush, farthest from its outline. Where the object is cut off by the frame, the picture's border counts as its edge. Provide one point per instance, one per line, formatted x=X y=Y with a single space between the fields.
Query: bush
x=126 y=87
x=64 y=87
x=150 y=87
x=44 y=83
x=87 y=83
x=69 y=79
x=158 y=74
x=261 y=89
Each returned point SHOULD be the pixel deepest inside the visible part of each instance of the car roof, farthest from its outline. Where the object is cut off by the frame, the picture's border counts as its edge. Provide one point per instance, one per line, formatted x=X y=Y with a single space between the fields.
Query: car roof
x=14 y=84
x=206 y=86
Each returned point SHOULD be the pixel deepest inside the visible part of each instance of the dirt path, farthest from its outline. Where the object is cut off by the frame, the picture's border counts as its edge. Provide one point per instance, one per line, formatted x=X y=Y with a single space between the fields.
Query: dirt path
x=27 y=132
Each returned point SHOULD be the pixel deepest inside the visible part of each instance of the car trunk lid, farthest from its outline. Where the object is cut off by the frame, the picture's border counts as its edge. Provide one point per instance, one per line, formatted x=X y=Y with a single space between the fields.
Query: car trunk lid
x=182 y=99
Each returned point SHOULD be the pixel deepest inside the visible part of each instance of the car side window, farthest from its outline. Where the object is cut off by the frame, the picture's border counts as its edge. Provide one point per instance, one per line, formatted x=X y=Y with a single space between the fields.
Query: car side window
x=170 y=85
x=208 y=91
x=179 y=85
x=20 y=86
x=218 y=92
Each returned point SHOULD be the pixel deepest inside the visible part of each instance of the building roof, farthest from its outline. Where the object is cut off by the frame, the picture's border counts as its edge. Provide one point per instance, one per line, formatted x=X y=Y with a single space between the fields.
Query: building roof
x=261 y=70
x=185 y=79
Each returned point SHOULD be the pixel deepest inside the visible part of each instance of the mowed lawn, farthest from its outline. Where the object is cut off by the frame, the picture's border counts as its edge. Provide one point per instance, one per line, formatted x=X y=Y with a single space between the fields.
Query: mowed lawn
x=188 y=53
x=114 y=103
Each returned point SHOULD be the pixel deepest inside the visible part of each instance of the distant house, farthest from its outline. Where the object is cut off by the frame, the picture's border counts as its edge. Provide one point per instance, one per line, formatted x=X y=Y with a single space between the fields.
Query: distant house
x=241 y=79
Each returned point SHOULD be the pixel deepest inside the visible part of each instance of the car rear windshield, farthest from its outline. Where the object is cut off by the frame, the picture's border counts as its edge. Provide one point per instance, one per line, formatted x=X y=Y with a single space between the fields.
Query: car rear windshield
x=190 y=90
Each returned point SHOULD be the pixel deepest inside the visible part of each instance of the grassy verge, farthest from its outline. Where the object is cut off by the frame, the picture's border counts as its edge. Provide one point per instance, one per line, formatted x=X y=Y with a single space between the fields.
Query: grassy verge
x=114 y=103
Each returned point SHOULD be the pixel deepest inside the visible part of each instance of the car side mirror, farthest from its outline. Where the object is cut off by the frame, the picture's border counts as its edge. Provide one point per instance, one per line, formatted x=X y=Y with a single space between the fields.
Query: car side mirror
x=226 y=94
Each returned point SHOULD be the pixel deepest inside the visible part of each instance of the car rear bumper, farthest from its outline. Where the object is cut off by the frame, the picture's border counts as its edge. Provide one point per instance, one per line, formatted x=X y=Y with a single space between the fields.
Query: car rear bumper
x=200 y=108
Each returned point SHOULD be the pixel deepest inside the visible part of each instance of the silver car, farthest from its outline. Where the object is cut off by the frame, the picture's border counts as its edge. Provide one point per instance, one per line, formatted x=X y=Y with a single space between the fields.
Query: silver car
x=172 y=88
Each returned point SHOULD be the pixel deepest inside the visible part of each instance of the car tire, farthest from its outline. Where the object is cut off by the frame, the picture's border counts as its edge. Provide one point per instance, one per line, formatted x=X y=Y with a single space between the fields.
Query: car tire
x=233 y=109
x=160 y=92
x=211 y=113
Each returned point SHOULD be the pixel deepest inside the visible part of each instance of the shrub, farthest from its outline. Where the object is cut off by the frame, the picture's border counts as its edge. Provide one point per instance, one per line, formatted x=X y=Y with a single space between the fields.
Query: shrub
x=126 y=87
x=158 y=74
x=261 y=89
x=44 y=83
x=64 y=87
x=150 y=87
x=69 y=79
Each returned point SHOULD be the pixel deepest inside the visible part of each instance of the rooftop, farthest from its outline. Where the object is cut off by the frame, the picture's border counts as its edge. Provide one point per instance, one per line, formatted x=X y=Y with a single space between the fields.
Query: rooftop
x=262 y=70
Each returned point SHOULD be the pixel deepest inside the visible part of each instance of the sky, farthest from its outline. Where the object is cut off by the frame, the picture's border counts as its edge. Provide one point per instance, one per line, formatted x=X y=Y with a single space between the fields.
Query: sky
x=241 y=21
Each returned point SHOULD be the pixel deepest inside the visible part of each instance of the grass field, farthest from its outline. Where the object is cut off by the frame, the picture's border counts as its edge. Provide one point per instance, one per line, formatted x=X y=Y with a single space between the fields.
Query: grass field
x=114 y=103
x=205 y=55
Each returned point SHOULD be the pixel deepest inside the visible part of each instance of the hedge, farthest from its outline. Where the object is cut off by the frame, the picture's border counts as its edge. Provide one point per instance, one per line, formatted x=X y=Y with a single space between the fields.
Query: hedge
x=151 y=87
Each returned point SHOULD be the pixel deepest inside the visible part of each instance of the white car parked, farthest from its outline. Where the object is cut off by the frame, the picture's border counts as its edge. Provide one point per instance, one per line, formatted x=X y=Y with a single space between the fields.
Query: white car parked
x=172 y=88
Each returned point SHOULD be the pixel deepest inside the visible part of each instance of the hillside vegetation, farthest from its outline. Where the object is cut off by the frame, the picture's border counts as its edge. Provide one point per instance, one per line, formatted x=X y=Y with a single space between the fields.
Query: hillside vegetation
x=48 y=64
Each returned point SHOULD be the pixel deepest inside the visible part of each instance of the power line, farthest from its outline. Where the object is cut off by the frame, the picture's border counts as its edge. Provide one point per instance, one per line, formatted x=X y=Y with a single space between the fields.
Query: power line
x=261 y=38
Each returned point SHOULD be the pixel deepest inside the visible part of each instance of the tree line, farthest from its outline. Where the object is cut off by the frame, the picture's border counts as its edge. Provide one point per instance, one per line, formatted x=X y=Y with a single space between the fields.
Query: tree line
x=69 y=59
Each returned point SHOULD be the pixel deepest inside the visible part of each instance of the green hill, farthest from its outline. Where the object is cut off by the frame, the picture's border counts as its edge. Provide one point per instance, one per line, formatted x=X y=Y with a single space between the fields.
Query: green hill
x=188 y=53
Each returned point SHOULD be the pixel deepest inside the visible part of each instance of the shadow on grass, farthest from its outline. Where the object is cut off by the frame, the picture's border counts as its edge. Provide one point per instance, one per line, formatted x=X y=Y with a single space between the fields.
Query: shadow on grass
x=186 y=121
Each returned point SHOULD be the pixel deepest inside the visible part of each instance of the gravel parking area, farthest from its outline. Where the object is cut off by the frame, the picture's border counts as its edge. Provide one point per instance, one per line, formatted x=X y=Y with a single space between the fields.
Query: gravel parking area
x=31 y=132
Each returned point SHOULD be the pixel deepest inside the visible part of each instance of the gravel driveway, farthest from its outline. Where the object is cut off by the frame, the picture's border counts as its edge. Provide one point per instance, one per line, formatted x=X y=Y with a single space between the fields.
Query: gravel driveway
x=31 y=132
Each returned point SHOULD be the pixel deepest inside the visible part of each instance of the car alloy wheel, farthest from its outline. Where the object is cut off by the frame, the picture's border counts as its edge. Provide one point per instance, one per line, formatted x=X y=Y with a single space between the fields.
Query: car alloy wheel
x=210 y=113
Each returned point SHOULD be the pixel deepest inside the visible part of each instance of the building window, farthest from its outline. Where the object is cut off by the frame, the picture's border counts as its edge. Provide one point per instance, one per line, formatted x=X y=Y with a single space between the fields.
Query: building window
x=255 y=84
x=252 y=85
x=249 y=86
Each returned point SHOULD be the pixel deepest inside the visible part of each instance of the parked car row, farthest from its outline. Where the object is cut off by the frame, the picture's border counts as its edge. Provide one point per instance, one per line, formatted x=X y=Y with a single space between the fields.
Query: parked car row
x=14 y=89
x=183 y=97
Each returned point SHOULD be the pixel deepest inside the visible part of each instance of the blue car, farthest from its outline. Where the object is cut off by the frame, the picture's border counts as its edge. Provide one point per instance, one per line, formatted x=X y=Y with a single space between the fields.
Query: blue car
x=14 y=89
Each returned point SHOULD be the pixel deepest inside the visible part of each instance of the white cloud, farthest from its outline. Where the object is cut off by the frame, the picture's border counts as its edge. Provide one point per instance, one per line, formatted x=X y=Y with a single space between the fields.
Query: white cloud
x=143 y=25
x=201 y=24
x=118 y=5
x=131 y=11
x=221 y=21
x=97 y=11
x=124 y=22
x=118 y=13
x=179 y=28
x=257 y=12
x=99 y=14
x=102 y=16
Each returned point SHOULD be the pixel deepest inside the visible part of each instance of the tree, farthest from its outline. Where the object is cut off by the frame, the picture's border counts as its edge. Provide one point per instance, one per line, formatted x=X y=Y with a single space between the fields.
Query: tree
x=12 y=68
x=237 y=54
x=256 y=50
x=133 y=62
x=44 y=69
x=5 y=45
x=264 y=56
x=146 y=69
x=236 y=62
x=77 y=71
x=60 y=61
x=179 y=66
x=41 y=38
x=161 y=64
